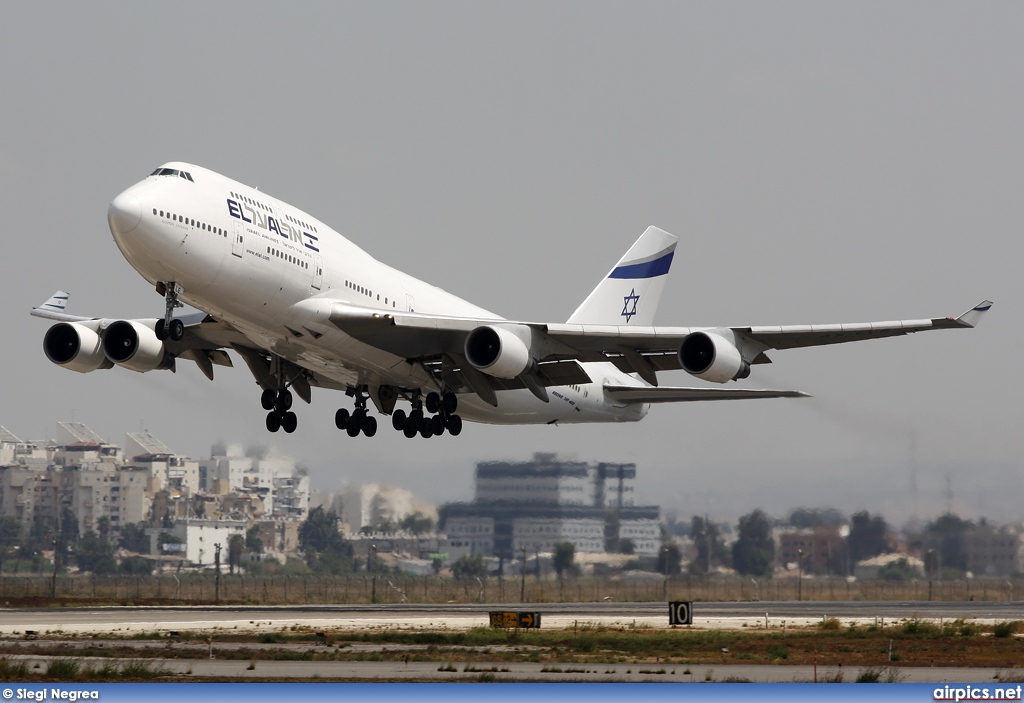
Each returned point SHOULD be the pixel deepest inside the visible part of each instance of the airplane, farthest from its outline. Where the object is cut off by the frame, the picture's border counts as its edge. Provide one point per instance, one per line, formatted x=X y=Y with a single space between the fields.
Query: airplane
x=305 y=307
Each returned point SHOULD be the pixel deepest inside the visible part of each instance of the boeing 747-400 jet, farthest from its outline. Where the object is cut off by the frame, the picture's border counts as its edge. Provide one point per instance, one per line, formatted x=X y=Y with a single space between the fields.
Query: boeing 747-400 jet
x=304 y=307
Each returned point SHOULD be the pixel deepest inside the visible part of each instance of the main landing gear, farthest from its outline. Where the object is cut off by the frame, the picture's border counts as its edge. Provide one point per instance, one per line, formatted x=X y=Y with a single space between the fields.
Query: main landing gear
x=358 y=420
x=170 y=327
x=442 y=417
x=280 y=416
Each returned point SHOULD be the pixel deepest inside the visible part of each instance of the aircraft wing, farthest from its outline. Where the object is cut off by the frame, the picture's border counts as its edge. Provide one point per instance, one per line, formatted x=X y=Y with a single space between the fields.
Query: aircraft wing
x=641 y=350
x=628 y=395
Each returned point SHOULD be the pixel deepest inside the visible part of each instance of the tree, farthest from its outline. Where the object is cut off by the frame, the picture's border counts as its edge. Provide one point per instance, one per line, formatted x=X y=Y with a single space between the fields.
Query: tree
x=670 y=560
x=946 y=536
x=253 y=541
x=236 y=547
x=711 y=549
x=754 y=549
x=867 y=536
x=133 y=537
x=467 y=567
x=626 y=546
x=136 y=565
x=417 y=523
x=325 y=549
x=10 y=535
x=815 y=517
x=565 y=554
x=898 y=570
x=95 y=555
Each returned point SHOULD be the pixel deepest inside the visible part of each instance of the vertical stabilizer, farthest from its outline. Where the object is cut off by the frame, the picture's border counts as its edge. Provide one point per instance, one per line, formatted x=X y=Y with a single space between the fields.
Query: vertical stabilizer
x=630 y=293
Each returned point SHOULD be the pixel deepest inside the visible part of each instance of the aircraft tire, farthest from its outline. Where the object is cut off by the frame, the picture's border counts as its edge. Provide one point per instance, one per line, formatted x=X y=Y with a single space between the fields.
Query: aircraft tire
x=273 y=421
x=176 y=330
x=268 y=399
x=410 y=429
x=433 y=402
x=398 y=419
x=437 y=425
x=370 y=426
x=289 y=422
x=355 y=422
x=425 y=431
x=341 y=418
x=454 y=425
x=449 y=403
x=284 y=400
x=160 y=331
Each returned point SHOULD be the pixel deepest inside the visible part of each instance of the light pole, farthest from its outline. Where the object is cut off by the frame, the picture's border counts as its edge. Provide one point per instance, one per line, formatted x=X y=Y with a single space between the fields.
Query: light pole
x=373 y=569
x=800 y=579
x=522 y=588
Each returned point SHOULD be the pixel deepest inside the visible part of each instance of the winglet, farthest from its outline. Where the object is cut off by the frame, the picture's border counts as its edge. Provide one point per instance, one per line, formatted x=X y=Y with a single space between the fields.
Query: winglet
x=57 y=302
x=972 y=317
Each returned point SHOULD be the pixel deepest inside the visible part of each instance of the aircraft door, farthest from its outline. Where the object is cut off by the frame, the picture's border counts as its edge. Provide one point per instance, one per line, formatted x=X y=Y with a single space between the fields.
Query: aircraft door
x=238 y=240
x=318 y=272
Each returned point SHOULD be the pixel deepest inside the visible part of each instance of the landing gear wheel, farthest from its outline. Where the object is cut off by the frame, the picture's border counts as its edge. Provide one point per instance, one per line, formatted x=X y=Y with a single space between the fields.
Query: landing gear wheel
x=425 y=431
x=160 y=330
x=284 y=400
x=268 y=398
x=273 y=421
x=355 y=422
x=370 y=426
x=433 y=402
x=449 y=403
x=437 y=425
x=398 y=419
x=453 y=425
x=289 y=422
x=341 y=418
x=410 y=429
x=176 y=330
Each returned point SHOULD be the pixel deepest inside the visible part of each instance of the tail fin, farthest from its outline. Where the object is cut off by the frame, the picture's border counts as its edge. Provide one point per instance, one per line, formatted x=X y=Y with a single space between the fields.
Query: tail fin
x=630 y=293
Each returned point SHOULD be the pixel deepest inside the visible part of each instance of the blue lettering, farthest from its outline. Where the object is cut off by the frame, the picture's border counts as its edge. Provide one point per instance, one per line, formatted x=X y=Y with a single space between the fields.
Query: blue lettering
x=233 y=209
x=272 y=226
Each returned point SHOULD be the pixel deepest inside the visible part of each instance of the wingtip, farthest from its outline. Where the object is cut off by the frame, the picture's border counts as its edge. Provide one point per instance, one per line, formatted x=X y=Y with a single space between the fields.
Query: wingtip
x=972 y=317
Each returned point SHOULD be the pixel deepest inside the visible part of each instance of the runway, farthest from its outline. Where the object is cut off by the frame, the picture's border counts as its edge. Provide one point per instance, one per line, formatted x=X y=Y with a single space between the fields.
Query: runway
x=461 y=616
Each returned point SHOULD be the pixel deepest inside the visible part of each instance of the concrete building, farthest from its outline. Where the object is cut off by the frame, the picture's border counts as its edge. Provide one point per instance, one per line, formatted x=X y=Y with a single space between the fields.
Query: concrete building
x=533 y=505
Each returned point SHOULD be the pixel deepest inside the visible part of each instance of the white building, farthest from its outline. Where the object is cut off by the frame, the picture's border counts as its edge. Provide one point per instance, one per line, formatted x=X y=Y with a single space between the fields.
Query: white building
x=201 y=537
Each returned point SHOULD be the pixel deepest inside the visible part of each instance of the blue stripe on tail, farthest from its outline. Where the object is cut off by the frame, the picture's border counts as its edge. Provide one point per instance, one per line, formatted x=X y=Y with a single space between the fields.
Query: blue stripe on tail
x=647 y=269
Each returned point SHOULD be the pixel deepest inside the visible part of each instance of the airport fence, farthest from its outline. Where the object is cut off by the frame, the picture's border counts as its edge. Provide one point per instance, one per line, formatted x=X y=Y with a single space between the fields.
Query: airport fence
x=206 y=588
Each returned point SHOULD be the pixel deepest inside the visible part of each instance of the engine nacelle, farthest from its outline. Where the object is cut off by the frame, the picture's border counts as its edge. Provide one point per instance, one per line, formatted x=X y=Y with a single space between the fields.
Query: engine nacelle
x=498 y=351
x=131 y=344
x=74 y=347
x=712 y=357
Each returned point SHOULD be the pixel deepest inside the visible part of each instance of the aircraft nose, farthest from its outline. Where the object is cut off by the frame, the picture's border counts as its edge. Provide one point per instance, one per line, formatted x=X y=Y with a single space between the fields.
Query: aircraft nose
x=124 y=213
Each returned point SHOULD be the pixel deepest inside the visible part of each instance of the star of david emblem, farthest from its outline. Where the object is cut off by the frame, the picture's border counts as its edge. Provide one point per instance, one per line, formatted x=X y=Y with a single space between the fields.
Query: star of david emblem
x=627 y=310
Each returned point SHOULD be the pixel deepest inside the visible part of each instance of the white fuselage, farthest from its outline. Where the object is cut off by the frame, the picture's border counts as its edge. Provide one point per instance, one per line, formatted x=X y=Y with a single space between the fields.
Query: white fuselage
x=273 y=272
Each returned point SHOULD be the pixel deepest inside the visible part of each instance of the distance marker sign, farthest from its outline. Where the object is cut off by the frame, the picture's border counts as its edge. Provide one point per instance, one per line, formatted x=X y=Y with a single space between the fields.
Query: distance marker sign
x=680 y=612
x=512 y=619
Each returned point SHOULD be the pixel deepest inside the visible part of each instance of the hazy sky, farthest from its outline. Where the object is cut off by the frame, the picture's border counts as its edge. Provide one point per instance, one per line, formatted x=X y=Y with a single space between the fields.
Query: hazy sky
x=820 y=162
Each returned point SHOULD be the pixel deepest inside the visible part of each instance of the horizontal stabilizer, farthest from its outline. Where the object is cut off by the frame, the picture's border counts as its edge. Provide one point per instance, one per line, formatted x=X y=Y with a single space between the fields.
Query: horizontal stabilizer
x=972 y=317
x=662 y=394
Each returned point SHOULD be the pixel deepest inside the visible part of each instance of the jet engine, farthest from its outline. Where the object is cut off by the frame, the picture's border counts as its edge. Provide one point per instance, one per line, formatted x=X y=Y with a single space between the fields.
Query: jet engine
x=74 y=347
x=712 y=357
x=131 y=344
x=498 y=350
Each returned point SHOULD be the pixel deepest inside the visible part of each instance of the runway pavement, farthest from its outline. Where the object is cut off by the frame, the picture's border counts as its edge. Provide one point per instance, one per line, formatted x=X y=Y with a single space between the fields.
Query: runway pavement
x=461 y=616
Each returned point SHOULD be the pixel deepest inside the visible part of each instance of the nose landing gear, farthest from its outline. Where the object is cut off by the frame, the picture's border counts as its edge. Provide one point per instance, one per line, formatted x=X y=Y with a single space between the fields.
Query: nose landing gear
x=170 y=327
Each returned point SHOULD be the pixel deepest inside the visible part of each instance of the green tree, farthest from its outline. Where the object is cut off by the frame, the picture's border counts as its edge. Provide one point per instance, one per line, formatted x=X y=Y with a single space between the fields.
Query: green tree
x=898 y=570
x=133 y=537
x=711 y=549
x=323 y=546
x=946 y=535
x=253 y=541
x=565 y=555
x=236 y=547
x=140 y=566
x=626 y=546
x=754 y=549
x=467 y=567
x=670 y=559
x=417 y=523
x=10 y=536
x=867 y=536
x=95 y=555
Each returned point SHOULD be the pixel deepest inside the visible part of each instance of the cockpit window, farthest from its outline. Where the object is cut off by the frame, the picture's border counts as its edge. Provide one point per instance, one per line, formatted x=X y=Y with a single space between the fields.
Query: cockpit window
x=173 y=172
